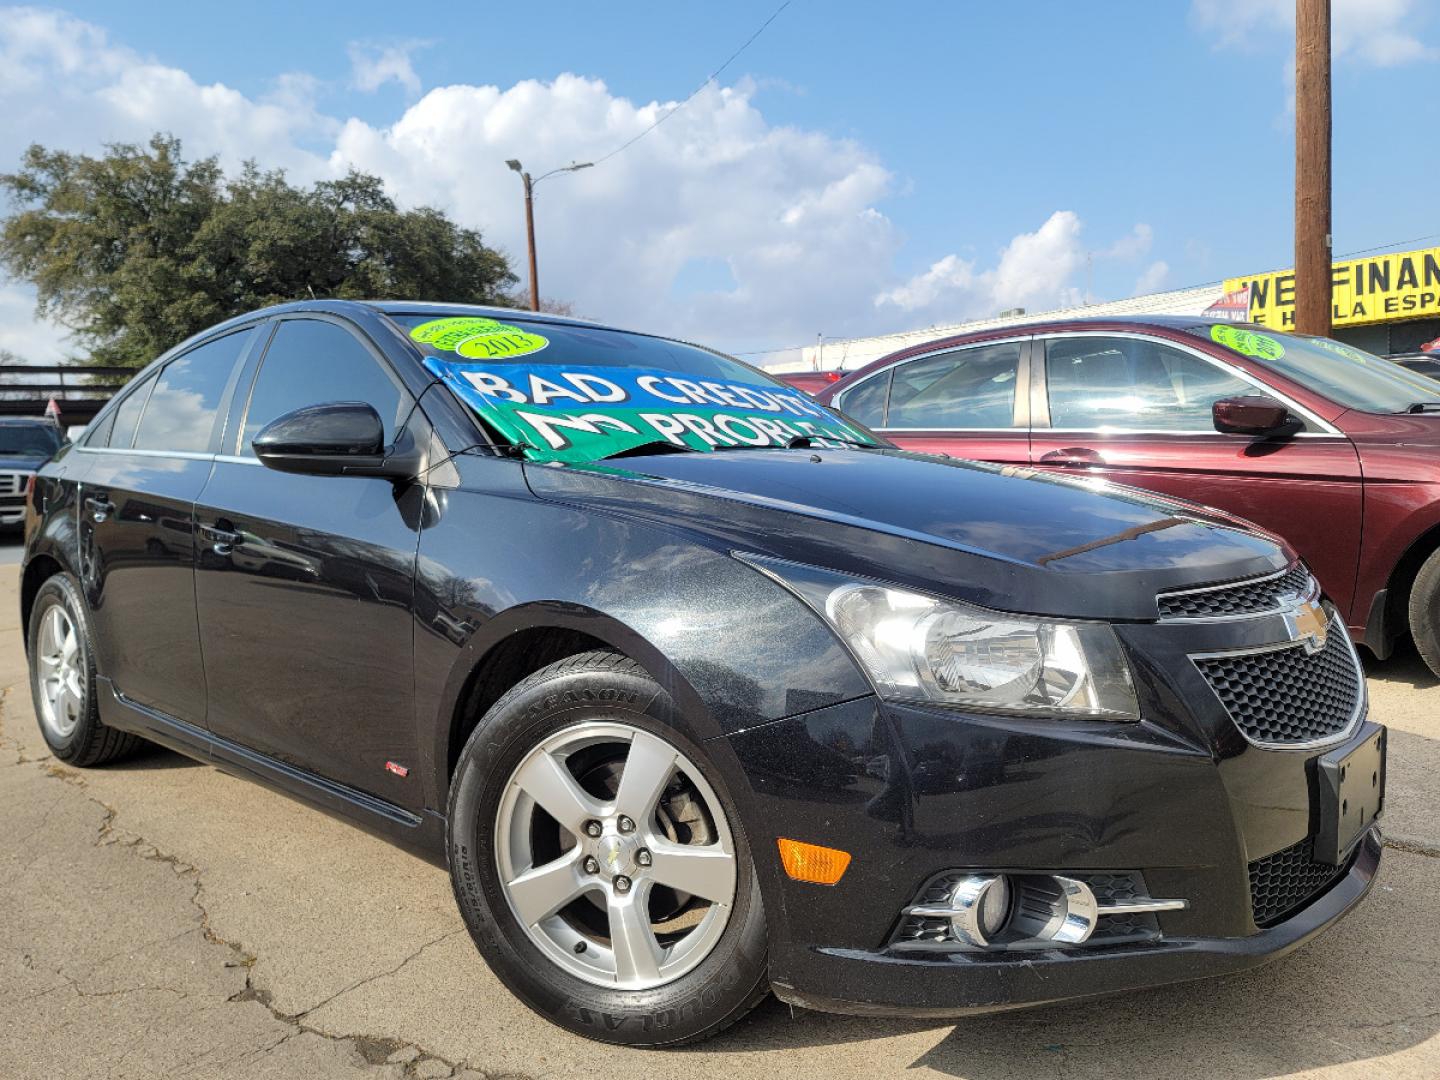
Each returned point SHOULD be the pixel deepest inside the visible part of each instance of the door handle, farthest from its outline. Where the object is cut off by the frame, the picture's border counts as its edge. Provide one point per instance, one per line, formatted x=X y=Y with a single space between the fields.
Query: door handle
x=1072 y=456
x=99 y=506
x=222 y=541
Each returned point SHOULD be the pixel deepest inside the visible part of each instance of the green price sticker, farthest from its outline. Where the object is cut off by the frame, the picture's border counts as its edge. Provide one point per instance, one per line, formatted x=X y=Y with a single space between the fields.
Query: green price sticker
x=1247 y=342
x=479 y=338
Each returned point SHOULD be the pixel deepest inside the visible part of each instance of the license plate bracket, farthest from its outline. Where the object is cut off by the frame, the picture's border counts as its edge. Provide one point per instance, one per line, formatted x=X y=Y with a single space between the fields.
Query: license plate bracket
x=1352 y=794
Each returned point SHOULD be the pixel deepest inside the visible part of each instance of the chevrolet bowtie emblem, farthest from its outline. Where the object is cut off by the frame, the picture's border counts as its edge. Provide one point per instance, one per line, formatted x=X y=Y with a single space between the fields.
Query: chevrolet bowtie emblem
x=1307 y=623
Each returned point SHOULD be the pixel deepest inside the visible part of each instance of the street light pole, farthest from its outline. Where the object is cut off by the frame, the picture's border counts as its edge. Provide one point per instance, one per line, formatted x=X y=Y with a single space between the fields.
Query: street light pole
x=530 y=217
x=1313 y=289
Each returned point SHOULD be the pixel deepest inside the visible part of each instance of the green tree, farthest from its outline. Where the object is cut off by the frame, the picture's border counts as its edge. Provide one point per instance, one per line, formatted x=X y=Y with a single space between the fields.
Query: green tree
x=137 y=249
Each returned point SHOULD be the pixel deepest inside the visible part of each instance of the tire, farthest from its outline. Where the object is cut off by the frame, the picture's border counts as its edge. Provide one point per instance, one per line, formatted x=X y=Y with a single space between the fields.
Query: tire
x=1425 y=612
x=578 y=713
x=73 y=729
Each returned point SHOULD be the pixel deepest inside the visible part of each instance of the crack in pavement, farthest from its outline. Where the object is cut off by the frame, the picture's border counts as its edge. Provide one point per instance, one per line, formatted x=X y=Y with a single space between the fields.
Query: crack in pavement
x=372 y=1049
x=1412 y=846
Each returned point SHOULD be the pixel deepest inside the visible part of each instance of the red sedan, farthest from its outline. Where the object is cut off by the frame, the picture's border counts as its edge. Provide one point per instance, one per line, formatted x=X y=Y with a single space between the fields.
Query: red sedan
x=1334 y=449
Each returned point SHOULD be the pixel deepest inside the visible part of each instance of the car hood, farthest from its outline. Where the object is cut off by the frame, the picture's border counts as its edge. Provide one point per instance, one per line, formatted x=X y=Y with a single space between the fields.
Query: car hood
x=1004 y=537
x=20 y=463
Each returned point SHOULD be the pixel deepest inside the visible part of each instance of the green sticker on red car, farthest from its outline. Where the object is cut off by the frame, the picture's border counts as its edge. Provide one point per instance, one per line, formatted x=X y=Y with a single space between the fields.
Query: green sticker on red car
x=477 y=338
x=1247 y=342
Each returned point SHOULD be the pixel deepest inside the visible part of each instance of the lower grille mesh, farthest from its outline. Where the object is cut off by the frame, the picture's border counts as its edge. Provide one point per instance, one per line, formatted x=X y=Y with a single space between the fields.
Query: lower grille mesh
x=1283 y=883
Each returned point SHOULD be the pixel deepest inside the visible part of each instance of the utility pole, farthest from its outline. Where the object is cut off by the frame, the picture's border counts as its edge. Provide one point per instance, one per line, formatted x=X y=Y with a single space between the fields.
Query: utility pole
x=1312 y=167
x=530 y=218
x=530 y=241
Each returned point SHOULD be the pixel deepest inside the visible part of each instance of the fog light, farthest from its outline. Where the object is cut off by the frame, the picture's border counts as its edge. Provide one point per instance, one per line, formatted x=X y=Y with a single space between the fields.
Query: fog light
x=1055 y=910
x=980 y=906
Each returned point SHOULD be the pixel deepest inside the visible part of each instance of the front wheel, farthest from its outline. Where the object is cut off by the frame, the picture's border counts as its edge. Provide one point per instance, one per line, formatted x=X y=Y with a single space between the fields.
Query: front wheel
x=599 y=865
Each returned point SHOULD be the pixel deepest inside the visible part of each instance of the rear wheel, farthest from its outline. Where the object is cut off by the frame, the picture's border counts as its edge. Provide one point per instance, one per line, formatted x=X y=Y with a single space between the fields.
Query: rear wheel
x=1425 y=612
x=599 y=866
x=62 y=679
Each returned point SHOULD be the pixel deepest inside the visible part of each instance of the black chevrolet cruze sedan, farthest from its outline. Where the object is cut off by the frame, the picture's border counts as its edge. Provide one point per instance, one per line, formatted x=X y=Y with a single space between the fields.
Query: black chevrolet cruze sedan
x=697 y=688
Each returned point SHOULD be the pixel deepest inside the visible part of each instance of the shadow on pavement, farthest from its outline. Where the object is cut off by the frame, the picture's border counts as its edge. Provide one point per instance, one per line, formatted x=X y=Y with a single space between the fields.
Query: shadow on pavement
x=150 y=757
x=1403 y=667
x=1361 y=993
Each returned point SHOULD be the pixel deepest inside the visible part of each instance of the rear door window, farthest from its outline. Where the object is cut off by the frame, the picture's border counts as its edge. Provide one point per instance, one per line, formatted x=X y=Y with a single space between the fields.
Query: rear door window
x=183 y=410
x=970 y=389
x=311 y=362
x=866 y=402
x=127 y=414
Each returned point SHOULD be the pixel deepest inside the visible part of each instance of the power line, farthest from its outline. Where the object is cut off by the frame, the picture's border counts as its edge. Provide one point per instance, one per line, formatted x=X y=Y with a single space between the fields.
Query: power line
x=1382 y=247
x=711 y=78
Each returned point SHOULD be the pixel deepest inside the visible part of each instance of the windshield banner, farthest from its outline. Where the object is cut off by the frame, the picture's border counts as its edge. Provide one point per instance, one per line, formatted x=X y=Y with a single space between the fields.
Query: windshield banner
x=562 y=412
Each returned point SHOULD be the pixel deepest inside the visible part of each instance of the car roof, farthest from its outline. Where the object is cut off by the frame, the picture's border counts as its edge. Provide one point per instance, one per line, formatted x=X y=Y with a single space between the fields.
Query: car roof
x=25 y=421
x=420 y=307
x=1174 y=323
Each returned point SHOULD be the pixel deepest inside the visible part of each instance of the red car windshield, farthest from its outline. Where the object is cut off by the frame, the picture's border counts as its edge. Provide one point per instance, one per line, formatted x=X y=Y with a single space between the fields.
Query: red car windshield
x=1346 y=375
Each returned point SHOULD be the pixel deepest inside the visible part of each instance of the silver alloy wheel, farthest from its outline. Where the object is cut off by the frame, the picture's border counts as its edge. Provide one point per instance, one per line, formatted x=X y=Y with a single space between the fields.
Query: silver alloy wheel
x=60 y=670
x=618 y=852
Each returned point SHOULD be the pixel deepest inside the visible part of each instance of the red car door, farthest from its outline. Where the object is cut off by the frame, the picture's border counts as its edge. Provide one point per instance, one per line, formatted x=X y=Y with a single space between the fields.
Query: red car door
x=1133 y=409
x=970 y=402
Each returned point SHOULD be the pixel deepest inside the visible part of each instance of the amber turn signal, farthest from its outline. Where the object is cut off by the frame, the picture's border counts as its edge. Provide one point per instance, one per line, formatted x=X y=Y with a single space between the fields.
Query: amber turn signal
x=813 y=863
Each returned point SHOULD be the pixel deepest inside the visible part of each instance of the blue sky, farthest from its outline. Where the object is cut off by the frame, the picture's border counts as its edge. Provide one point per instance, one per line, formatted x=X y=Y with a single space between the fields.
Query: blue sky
x=860 y=168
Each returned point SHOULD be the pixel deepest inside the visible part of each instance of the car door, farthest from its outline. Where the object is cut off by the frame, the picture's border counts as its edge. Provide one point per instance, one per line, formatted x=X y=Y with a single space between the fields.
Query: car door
x=148 y=461
x=303 y=583
x=1136 y=410
x=968 y=402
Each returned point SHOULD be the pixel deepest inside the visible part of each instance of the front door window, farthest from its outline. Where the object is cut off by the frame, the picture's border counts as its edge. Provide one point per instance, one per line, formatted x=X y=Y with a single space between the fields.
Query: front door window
x=1132 y=384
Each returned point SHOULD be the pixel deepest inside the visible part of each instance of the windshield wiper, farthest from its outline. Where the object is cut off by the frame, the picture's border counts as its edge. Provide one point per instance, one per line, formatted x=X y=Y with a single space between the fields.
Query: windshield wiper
x=665 y=446
x=1423 y=406
x=805 y=442
x=654 y=446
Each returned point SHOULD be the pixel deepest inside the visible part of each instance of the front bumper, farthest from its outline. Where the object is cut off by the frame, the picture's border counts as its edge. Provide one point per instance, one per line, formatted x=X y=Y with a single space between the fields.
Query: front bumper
x=12 y=498
x=1181 y=798
x=882 y=983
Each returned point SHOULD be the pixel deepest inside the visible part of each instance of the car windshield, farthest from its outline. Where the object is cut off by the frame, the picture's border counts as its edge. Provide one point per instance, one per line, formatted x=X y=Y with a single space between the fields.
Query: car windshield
x=1429 y=368
x=579 y=393
x=28 y=440
x=1346 y=375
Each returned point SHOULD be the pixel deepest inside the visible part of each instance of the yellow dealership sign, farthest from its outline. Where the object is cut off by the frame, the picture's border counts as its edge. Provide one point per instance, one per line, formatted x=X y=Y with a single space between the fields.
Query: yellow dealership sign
x=1378 y=288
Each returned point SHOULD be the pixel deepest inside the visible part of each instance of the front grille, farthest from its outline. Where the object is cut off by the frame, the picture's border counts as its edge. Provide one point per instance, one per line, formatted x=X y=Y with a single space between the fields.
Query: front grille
x=1287 y=697
x=13 y=483
x=1255 y=597
x=1283 y=883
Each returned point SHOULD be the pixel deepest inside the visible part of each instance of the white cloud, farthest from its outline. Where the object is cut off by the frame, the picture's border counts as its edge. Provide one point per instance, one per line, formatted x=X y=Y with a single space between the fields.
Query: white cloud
x=1134 y=245
x=1378 y=32
x=372 y=66
x=793 y=215
x=29 y=339
x=1035 y=271
x=1153 y=278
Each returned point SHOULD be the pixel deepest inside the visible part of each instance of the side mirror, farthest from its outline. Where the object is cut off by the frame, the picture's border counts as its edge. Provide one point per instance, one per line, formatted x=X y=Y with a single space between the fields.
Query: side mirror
x=1251 y=415
x=338 y=438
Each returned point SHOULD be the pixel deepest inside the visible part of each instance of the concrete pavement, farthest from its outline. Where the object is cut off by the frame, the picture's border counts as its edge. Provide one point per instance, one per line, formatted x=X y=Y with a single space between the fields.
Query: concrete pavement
x=160 y=919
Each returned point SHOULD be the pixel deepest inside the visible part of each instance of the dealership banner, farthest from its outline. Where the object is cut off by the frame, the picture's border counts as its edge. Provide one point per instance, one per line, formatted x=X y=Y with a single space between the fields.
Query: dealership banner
x=1377 y=288
x=1234 y=306
x=576 y=412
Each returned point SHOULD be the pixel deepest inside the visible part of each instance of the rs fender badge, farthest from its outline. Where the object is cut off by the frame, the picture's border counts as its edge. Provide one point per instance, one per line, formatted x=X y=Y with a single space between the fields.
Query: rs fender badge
x=399 y=770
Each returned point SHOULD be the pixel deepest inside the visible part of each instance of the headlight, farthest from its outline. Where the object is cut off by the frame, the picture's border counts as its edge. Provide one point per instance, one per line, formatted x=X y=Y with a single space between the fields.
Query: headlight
x=921 y=648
